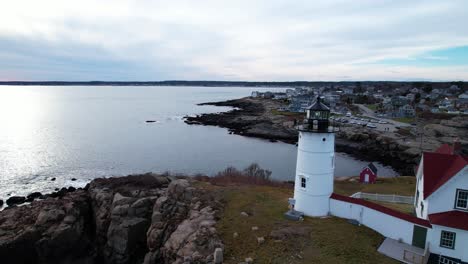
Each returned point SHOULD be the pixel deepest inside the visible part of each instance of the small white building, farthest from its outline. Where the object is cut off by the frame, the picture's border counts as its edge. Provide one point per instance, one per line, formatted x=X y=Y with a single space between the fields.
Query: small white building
x=442 y=198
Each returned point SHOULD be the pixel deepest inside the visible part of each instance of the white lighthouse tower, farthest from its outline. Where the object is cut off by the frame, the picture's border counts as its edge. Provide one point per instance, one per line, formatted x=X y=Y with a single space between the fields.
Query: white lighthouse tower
x=315 y=162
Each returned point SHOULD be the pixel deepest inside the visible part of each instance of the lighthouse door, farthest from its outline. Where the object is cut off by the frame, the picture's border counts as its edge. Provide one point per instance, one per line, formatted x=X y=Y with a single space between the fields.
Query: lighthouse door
x=366 y=178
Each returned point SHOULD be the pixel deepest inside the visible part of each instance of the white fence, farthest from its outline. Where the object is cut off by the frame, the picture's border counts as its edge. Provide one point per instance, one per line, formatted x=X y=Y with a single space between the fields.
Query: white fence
x=391 y=198
x=388 y=226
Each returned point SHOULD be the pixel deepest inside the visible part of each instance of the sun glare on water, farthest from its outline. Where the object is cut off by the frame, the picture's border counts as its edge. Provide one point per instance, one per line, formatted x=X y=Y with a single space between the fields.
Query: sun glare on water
x=20 y=121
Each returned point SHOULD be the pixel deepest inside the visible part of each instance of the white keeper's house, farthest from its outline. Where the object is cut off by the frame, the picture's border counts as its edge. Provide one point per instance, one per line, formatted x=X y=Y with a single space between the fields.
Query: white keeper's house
x=436 y=233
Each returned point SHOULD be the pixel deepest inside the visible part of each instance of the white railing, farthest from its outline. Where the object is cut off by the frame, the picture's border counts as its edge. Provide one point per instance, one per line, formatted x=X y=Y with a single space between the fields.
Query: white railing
x=391 y=198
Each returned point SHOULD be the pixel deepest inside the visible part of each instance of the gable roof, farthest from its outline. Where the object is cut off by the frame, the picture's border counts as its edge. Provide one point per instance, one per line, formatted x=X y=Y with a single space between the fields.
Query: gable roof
x=372 y=167
x=440 y=167
x=382 y=209
x=454 y=219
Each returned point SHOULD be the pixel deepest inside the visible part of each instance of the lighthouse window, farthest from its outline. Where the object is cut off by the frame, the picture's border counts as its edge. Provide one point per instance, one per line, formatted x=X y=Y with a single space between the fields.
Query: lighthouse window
x=303 y=182
x=323 y=139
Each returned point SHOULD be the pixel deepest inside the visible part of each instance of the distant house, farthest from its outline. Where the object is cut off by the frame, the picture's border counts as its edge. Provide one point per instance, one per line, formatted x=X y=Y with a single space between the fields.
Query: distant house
x=406 y=111
x=411 y=96
x=280 y=96
x=368 y=174
x=423 y=107
x=268 y=95
x=435 y=110
x=454 y=88
x=300 y=103
x=463 y=96
x=398 y=101
x=435 y=91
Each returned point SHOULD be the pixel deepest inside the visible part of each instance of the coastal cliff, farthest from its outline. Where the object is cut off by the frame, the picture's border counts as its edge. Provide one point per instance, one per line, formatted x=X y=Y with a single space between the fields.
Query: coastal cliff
x=257 y=117
x=134 y=219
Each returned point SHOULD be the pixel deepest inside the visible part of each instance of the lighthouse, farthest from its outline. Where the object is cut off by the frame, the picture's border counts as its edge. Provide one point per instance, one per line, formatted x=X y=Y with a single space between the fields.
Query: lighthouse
x=315 y=162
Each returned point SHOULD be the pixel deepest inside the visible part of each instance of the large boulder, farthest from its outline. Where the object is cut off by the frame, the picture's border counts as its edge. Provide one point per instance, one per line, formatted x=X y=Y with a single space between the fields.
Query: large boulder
x=182 y=228
x=49 y=231
x=14 y=200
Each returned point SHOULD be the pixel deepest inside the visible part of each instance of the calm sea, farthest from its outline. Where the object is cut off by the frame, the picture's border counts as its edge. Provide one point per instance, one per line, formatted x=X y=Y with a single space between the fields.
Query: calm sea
x=85 y=132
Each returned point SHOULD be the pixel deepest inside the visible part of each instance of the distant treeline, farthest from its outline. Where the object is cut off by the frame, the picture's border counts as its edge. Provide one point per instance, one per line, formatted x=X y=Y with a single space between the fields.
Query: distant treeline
x=225 y=83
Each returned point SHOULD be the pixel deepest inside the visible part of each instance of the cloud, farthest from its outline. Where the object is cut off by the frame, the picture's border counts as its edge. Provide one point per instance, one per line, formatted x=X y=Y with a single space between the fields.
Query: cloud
x=229 y=40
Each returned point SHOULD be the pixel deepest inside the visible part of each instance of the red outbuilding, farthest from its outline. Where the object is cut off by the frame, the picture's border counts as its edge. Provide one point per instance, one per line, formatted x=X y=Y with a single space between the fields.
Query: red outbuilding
x=368 y=174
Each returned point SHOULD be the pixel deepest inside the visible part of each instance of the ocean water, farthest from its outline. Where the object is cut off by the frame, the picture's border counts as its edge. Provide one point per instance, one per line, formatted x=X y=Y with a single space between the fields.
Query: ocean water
x=85 y=132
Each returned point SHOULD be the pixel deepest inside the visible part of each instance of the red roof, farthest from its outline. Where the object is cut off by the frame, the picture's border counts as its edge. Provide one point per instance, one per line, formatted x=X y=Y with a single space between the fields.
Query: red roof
x=454 y=219
x=445 y=149
x=382 y=209
x=440 y=167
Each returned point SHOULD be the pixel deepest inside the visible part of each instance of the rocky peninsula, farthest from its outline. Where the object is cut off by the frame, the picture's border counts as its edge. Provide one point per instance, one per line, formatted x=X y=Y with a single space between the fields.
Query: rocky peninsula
x=258 y=117
x=134 y=219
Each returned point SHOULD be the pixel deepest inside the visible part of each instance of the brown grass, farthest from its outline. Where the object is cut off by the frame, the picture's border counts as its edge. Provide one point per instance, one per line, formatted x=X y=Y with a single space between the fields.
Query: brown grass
x=403 y=185
x=329 y=240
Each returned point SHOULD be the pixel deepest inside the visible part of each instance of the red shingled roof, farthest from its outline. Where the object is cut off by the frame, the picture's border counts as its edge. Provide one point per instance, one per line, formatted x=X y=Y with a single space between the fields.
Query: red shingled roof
x=445 y=149
x=382 y=209
x=439 y=167
x=454 y=219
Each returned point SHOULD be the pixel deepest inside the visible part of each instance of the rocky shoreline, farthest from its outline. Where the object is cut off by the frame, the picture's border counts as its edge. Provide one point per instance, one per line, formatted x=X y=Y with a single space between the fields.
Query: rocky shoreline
x=258 y=118
x=134 y=219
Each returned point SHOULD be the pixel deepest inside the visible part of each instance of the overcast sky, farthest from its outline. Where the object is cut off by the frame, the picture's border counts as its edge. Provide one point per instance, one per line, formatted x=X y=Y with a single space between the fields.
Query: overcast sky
x=144 y=40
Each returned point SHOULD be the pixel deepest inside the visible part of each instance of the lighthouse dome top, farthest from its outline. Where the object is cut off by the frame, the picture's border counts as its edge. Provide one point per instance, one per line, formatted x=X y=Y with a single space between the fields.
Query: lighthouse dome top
x=318 y=106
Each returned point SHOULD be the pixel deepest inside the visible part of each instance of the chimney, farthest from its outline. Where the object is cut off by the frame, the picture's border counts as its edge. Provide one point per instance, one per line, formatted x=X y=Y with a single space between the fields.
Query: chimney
x=456 y=147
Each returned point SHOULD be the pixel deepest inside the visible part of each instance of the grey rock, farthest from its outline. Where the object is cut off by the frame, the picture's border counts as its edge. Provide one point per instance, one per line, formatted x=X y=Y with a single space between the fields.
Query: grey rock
x=260 y=240
x=47 y=216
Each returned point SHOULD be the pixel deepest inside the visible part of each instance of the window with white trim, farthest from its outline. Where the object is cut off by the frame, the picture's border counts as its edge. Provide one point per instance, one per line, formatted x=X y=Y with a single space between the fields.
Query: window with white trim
x=447 y=239
x=303 y=182
x=461 y=201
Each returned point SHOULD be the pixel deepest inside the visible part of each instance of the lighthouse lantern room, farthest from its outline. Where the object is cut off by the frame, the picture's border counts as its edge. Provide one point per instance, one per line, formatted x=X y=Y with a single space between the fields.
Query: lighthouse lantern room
x=315 y=162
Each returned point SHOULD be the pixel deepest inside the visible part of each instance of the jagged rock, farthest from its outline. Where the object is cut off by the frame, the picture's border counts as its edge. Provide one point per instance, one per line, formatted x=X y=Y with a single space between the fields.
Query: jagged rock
x=49 y=216
x=34 y=195
x=14 y=200
x=190 y=230
x=134 y=219
x=37 y=233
